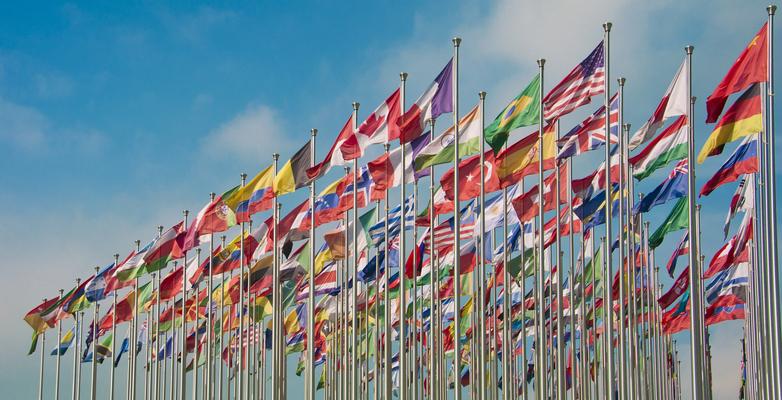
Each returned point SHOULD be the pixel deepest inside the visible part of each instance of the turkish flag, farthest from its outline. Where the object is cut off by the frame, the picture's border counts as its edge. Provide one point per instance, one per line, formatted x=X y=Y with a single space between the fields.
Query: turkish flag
x=469 y=177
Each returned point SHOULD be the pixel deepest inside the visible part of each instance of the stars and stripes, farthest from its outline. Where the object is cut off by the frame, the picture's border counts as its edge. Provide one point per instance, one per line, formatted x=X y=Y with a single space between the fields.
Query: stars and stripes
x=587 y=79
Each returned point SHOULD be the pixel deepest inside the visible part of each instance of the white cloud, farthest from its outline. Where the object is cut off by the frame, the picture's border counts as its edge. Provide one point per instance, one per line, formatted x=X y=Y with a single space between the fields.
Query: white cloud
x=52 y=85
x=21 y=126
x=252 y=134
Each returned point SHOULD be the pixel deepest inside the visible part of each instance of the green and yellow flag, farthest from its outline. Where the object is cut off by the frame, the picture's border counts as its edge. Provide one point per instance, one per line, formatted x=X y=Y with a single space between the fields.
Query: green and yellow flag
x=522 y=111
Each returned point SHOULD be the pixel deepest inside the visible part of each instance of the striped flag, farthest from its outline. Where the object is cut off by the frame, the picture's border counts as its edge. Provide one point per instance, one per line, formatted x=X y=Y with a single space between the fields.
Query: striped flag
x=590 y=133
x=587 y=79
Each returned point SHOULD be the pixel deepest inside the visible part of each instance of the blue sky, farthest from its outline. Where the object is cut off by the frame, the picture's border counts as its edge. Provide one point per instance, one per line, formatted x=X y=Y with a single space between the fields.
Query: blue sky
x=115 y=117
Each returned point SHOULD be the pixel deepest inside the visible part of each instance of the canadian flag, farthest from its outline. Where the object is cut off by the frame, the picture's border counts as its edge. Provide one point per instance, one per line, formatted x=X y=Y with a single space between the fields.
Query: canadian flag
x=334 y=156
x=380 y=127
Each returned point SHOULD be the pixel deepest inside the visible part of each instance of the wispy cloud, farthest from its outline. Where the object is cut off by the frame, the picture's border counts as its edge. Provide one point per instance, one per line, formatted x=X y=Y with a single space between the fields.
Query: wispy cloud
x=22 y=127
x=192 y=27
x=252 y=134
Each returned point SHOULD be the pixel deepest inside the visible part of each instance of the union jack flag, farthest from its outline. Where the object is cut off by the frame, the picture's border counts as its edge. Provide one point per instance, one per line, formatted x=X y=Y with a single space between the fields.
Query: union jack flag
x=590 y=133
x=587 y=79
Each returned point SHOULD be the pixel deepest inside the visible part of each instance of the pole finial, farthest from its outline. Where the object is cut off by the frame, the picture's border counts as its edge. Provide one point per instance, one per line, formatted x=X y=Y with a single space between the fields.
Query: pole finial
x=403 y=76
x=160 y=229
x=275 y=156
x=314 y=132
x=116 y=256
x=482 y=95
x=771 y=8
x=541 y=62
x=138 y=242
x=689 y=49
x=607 y=26
x=186 y=212
x=356 y=105
x=386 y=146
x=456 y=41
x=621 y=81
x=626 y=127
x=61 y=291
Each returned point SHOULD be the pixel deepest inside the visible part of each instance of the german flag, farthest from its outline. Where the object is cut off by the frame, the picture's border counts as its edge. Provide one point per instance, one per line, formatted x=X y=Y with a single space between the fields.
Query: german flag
x=742 y=119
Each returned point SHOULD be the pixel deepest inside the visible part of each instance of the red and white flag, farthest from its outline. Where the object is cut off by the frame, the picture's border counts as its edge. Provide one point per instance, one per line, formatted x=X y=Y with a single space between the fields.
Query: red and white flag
x=587 y=79
x=334 y=157
x=380 y=127
x=436 y=100
x=674 y=103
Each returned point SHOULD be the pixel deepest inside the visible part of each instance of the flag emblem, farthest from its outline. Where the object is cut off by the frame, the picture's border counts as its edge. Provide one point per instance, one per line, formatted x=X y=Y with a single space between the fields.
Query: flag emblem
x=514 y=109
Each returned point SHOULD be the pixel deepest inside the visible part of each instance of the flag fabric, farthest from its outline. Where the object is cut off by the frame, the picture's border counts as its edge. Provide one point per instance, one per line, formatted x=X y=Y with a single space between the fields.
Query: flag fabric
x=255 y=196
x=669 y=146
x=65 y=342
x=436 y=100
x=168 y=247
x=735 y=251
x=587 y=79
x=334 y=156
x=363 y=188
x=732 y=281
x=589 y=185
x=743 y=200
x=590 y=133
x=386 y=170
x=673 y=187
x=213 y=218
x=34 y=317
x=676 y=220
x=379 y=127
x=725 y=308
x=680 y=286
x=751 y=67
x=129 y=269
x=674 y=103
x=743 y=118
x=522 y=111
x=96 y=289
x=327 y=204
x=527 y=205
x=293 y=174
x=441 y=149
x=744 y=160
x=469 y=173
x=171 y=284
x=682 y=249
x=521 y=158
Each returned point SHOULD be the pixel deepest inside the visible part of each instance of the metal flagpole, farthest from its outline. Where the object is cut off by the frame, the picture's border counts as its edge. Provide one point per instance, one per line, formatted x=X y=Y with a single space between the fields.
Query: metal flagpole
x=195 y=347
x=414 y=335
x=183 y=330
x=560 y=362
x=572 y=279
x=94 y=381
x=772 y=201
x=209 y=317
x=354 y=271
x=403 y=387
x=79 y=350
x=540 y=369
x=623 y=328
x=57 y=346
x=695 y=275
x=76 y=348
x=510 y=391
x=376 y=341
x=434 y=282
x=507 y=289
x=456 y=226
x=609 y=316
x=311 y=296
x=582 y=319
x=482 y=262
x=387 y=303
x=222 y=334
x=40 y=368
x=275 y=291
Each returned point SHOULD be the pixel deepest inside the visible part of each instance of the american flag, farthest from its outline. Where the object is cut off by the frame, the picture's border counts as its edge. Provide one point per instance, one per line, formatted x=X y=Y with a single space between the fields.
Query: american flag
x=590 y=133
x=587 y=79
x=443 y=234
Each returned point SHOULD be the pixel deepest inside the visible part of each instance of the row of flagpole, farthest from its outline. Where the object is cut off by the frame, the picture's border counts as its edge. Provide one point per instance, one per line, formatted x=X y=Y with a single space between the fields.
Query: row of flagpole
x=643 y=364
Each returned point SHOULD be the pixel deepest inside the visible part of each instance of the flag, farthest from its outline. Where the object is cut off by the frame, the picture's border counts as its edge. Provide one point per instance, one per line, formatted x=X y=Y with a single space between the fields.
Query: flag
x=436 y=100
x=751 y=67
x=743 y=118
x=673 y=187
x=732 y=281
x=676 y=220
x=327 y=207
x=379 y=127
x=522 y=111
x=590 y=133
x=469 y=173
x=130 y=268
x=744 y=160
x=364 y=184
x=255 y=196
x=171 y=284
x=293 y=174
x=673 y=103
x=521 y=158
x=65 y=342
x=669 y=146
x=213 y=218
x=734 y=251
x=682 y=249
x=527 y=205
x=386 y=170
x=440 y=150
x=587 y=186
x=680 y=286
x=725 y=308
x=587 y=79
x=37 y=319
x=96 y=289
x=334 y=157
x=742 y=200
x=166 y=248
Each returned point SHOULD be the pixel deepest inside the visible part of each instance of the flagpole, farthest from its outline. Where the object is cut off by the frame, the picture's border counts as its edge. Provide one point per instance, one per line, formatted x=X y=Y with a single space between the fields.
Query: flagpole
x=310 y=386
x=509 y=383
x=623 y=367
x=40 y=368
x=354 y=271
x=94 y=383
x=482 y=255
x=540 y=369
x=560 y=363
x=79 y=347
x=57 y=361
x=75 y=352
x=414 y=335
x=183 y=330
x=76 y=340
x=456 y=223
x=403 y=389
x=376 y=341
x=772 y=197
x=695 y=275
x=572 y=278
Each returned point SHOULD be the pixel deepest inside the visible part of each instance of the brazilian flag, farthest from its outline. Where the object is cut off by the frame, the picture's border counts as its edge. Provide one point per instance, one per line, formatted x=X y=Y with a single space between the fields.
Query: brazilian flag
x=522 y=111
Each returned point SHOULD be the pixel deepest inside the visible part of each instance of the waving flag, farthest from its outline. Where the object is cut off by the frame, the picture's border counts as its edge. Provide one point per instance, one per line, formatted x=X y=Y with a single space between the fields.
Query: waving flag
x=521 y=158
x=587 y=186
x=66 y=341
x=725 y=308
x=674 y=103
x=669 y=146
x=733 y=281
x=334 y=157
x=435 y=101
x=744 y=118
x=440 y=150
x=469 y=175
x=673 y=187
x=130 y=268
x=386 y=170
x=587 y=79
x=96 y=289
x=734 y=251
x=590 y=133
x=528 y=204
x=379 y=127
x=680 y=286
x=255 y=196
x=682 y=249
x=742 y=200
x=213 y=218
x=751 y=67
x=293 y=174
x=744 y=160
x=522 y=111
x=676 y=220
x=166 y=248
